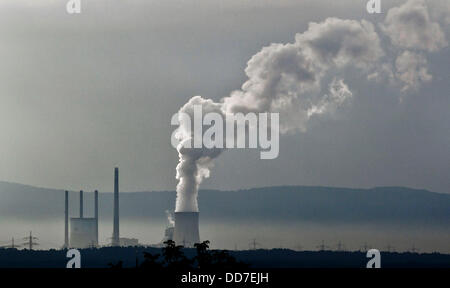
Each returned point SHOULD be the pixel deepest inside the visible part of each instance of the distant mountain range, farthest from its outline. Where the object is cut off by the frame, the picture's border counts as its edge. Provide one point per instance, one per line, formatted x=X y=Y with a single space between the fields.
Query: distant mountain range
x=286 y=203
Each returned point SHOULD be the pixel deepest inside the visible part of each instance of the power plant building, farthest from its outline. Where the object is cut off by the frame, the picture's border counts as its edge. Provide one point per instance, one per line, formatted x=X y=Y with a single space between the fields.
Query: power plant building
x=168 y=234
x=128 y=242
x=83 y=231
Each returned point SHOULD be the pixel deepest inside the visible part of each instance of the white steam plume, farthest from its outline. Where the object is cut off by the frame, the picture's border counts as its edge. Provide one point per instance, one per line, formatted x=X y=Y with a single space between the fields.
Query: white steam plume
x=287 y=78
x=194 y=163
x=170 y=218
x=282 y=78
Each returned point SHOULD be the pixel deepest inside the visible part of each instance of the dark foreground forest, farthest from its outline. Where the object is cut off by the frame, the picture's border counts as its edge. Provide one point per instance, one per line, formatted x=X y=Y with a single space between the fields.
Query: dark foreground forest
x=201 y=257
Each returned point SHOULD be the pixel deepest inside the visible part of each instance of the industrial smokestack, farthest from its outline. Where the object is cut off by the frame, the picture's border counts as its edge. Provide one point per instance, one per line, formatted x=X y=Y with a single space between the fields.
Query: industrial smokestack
x=115 y=238
x=81 y=204
x=186 y=231
x=96 y=214
x=66 y=220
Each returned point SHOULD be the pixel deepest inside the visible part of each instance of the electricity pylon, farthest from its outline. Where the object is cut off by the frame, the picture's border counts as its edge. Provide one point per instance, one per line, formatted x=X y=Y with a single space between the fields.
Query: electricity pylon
x=13 y=245
x=30 y=241
x=254 y=244
x=322 y=246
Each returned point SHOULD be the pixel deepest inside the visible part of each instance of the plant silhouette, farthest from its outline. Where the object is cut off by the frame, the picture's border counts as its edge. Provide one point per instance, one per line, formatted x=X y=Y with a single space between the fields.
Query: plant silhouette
x=151 y=261
x=118 y=265
x=174 y=258
x=204 y=258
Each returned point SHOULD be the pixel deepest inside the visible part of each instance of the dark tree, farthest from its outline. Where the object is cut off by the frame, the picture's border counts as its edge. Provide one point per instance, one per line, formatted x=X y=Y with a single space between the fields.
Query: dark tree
x=151 y=261
x=216 y=260
x=118 y=265
x=222 y=260
x=203 y=257
x=174 y=257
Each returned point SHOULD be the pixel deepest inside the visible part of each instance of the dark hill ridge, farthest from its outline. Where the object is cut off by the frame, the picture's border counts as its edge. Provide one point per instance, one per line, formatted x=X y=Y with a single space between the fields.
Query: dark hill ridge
x=286 y=203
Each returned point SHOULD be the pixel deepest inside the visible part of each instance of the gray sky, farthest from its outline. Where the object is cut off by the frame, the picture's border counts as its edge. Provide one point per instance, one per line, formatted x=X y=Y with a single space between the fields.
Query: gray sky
x=81 y=94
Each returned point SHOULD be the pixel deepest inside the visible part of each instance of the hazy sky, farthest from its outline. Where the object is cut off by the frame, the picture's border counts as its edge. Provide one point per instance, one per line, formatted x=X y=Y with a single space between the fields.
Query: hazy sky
x=83 y=93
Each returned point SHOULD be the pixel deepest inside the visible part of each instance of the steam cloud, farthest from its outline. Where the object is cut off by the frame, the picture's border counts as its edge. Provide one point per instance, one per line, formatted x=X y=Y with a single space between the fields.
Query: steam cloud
x=291 y=79
x=170 y=218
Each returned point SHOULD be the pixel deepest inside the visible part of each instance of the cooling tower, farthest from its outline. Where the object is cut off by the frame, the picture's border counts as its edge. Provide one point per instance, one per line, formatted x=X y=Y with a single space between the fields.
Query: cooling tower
x=186 y=231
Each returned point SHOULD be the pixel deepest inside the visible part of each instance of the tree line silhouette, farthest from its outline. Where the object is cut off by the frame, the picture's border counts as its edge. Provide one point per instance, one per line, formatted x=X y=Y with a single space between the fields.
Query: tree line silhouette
x=173 y=258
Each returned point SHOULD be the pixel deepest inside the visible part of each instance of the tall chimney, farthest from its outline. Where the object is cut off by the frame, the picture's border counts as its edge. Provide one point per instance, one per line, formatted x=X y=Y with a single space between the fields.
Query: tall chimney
x=66 y=220
x=115 y=239
x=96 y=214
x=81 y=204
